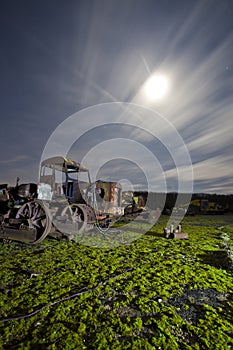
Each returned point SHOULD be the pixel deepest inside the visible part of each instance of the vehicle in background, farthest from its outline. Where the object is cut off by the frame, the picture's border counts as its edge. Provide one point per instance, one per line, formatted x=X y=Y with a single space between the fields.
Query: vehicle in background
x=203 y=206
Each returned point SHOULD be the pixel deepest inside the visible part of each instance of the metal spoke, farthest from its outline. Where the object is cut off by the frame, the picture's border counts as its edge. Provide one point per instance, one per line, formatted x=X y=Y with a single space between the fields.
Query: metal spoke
x=36 y=215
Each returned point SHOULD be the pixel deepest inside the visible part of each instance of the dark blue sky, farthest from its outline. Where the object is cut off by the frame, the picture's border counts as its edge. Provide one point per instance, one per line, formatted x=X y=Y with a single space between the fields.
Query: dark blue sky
x=58 y=57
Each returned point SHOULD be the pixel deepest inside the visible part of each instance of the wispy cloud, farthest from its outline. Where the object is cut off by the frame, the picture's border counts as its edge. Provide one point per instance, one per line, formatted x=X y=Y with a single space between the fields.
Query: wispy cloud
x=18 y=159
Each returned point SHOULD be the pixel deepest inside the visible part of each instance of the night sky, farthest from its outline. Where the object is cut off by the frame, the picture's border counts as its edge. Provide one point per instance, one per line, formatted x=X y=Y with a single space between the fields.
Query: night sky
x=58 y=57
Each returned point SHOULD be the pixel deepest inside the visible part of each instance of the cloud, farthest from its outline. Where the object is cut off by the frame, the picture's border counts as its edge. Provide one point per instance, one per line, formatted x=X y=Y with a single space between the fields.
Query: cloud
x=18 y=159
x=210 y=175
x=215 y=168
x=23 y=166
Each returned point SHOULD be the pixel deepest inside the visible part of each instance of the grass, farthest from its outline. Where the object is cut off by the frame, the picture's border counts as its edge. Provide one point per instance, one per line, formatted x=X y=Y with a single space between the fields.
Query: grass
x=152 y=294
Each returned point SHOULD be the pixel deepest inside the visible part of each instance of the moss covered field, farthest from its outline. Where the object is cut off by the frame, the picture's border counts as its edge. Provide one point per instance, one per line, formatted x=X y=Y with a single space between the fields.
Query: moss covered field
x=154 y=293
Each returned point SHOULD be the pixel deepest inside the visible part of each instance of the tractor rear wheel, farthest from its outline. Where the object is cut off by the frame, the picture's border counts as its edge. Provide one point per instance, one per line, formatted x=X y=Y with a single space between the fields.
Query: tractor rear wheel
x=36 y=214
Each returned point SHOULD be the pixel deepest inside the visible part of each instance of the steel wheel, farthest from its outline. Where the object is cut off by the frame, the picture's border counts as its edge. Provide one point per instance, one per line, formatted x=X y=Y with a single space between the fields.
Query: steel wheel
x=76 y=218
x=36 y=215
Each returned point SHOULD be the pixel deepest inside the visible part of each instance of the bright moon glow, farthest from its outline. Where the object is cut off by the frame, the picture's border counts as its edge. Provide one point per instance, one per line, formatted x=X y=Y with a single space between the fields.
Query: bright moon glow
x=156 y=87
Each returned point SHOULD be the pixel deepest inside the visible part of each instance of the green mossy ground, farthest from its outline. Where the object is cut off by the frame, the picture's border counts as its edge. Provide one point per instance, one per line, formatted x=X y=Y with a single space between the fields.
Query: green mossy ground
x=155 y=293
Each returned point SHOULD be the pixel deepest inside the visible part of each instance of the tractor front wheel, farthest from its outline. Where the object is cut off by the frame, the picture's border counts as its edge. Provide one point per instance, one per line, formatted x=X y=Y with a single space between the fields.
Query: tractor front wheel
x=76 y=218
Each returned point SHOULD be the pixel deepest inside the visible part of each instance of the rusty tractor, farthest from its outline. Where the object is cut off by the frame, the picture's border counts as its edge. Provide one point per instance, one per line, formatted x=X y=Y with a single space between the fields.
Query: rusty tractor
x=64 y=203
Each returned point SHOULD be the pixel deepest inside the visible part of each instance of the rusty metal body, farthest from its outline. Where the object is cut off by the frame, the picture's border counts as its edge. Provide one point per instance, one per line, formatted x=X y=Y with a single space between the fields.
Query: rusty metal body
x=64 y=198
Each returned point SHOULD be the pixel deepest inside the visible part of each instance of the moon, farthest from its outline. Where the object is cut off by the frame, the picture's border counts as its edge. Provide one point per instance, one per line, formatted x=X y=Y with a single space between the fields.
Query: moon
x=156 y=87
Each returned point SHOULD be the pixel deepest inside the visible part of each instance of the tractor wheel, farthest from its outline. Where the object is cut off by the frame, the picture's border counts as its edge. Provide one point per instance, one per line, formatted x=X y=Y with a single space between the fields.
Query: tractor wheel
x=76 y=218
x=36 y=215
